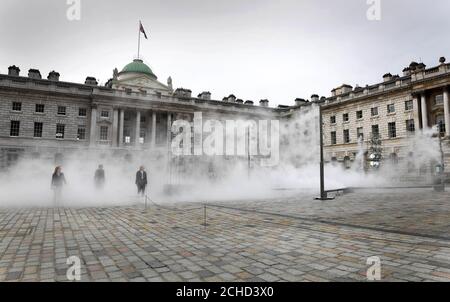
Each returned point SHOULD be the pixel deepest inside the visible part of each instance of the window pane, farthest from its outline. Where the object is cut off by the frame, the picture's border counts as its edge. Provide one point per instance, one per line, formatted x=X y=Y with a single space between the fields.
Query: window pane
x=38 y=129
x=40 y=108
x=61 y=110
x=82 y=112
x=15 y=128
x=17 y=106
x=60 y=131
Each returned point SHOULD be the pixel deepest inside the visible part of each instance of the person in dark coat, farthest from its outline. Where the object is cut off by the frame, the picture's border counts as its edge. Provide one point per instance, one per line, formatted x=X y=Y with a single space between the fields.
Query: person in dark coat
x=58 y=181
x=99 y=177
x=141 y=180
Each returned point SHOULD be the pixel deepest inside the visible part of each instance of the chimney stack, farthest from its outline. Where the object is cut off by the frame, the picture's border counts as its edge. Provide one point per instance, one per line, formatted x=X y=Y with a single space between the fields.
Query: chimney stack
x=91 y=81
x=314 y=98
x=300 y=102
x=53 y=76
x=231 y=98
x=205 y=95
x=387 y=77
x=34 y=74
x=183 y=93
x=406 y=71
x=264 y=103
x=13 y=71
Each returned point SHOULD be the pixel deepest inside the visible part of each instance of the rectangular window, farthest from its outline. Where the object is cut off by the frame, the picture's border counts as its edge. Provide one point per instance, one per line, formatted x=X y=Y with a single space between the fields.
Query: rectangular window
x=410 y=127
x=81 y=134
x=39 y=108
x=15 y=128
x=391 y=108
x=61 y=110
x=346 y=136
x=143 y=119
x=376 y=131
x=374 y=111
x=127 y=136
x=359 y=114
x=360 y=133
x=333 y=119
x=38 y=129
x=104 y=114
x=82 y=112
x=409 y=105
x=333 y=138
x=345 y=117
x=60 y=131
x=142 y=136
x=392 y=130
x=104 y=133
x=439 y=99
x=17 y=106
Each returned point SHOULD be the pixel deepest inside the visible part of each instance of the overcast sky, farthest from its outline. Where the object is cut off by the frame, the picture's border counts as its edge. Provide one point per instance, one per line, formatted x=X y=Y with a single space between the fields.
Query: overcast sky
x=255 y=49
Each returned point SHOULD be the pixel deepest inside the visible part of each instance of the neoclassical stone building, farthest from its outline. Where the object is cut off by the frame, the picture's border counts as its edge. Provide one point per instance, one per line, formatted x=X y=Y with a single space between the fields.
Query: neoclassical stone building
x=130 y=116
x=392 y=111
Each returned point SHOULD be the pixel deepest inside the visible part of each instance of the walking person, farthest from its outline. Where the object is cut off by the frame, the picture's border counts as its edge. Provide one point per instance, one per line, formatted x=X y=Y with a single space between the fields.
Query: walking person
x=58 y=181
x=99 y=177
x=141 y=180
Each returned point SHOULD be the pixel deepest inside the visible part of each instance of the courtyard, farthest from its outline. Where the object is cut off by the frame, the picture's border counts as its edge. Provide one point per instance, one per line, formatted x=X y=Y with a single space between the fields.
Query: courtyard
x=288 y=239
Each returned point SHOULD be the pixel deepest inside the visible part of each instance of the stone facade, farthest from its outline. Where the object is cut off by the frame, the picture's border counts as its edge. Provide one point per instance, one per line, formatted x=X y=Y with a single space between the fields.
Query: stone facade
x=130 y=115
x=133 y=113
x=399 y=106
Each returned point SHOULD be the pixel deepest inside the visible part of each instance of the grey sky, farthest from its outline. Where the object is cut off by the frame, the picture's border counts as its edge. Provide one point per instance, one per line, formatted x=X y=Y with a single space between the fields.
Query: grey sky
x=255 y=49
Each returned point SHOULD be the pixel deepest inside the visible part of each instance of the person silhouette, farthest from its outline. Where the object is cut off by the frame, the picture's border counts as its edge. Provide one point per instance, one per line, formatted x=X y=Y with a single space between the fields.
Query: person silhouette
x=141 y=180
x=99 y=177
x=58 y=181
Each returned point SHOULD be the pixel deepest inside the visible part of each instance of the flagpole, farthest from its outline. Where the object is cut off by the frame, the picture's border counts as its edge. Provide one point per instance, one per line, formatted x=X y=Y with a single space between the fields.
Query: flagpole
x=139 y=39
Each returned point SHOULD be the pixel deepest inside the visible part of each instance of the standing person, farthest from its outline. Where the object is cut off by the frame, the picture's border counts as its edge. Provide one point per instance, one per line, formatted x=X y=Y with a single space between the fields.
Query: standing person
x=99 y=177
x=58 y=180
x=141 y=180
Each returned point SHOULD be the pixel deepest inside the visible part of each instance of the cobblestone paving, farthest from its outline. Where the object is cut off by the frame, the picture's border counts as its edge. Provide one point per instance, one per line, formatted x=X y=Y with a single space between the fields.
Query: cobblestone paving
x=171 y=244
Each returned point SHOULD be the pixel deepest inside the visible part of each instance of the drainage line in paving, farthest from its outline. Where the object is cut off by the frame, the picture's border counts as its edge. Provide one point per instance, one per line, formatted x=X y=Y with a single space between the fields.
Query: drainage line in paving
x=334 y=223
x=327 y=222
x=172 y=208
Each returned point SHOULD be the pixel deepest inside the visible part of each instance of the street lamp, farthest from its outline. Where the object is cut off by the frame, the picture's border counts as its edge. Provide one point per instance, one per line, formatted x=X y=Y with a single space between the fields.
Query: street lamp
x=323 y=193
x=439 y=183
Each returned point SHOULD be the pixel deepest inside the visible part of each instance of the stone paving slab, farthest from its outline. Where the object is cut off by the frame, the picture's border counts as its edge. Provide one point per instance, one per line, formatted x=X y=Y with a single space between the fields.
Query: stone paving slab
x=172 y=244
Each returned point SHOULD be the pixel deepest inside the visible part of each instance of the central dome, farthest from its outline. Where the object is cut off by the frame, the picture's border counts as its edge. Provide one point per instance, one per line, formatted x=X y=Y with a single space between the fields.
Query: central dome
x=138 y=66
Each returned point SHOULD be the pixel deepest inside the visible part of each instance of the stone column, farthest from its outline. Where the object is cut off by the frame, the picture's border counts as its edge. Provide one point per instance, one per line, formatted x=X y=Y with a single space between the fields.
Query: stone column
x=169 y=128
x=138 y=129
x=153 y=129
x=424 y=111
x=446 y=112
x=416 y=101
x=115 y=128
x=121 y=126
x=93 y=129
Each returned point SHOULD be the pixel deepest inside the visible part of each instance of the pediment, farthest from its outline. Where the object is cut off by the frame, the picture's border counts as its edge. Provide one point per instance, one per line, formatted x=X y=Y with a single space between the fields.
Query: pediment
x=141 y=82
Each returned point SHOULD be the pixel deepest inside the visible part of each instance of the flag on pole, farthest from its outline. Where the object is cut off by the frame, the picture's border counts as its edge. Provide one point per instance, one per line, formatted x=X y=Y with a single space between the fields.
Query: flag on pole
x=141 y=28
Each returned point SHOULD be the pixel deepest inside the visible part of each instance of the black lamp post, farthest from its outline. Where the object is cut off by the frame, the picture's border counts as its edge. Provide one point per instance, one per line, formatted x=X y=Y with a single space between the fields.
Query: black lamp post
x=323 y=193
x=439 y=169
